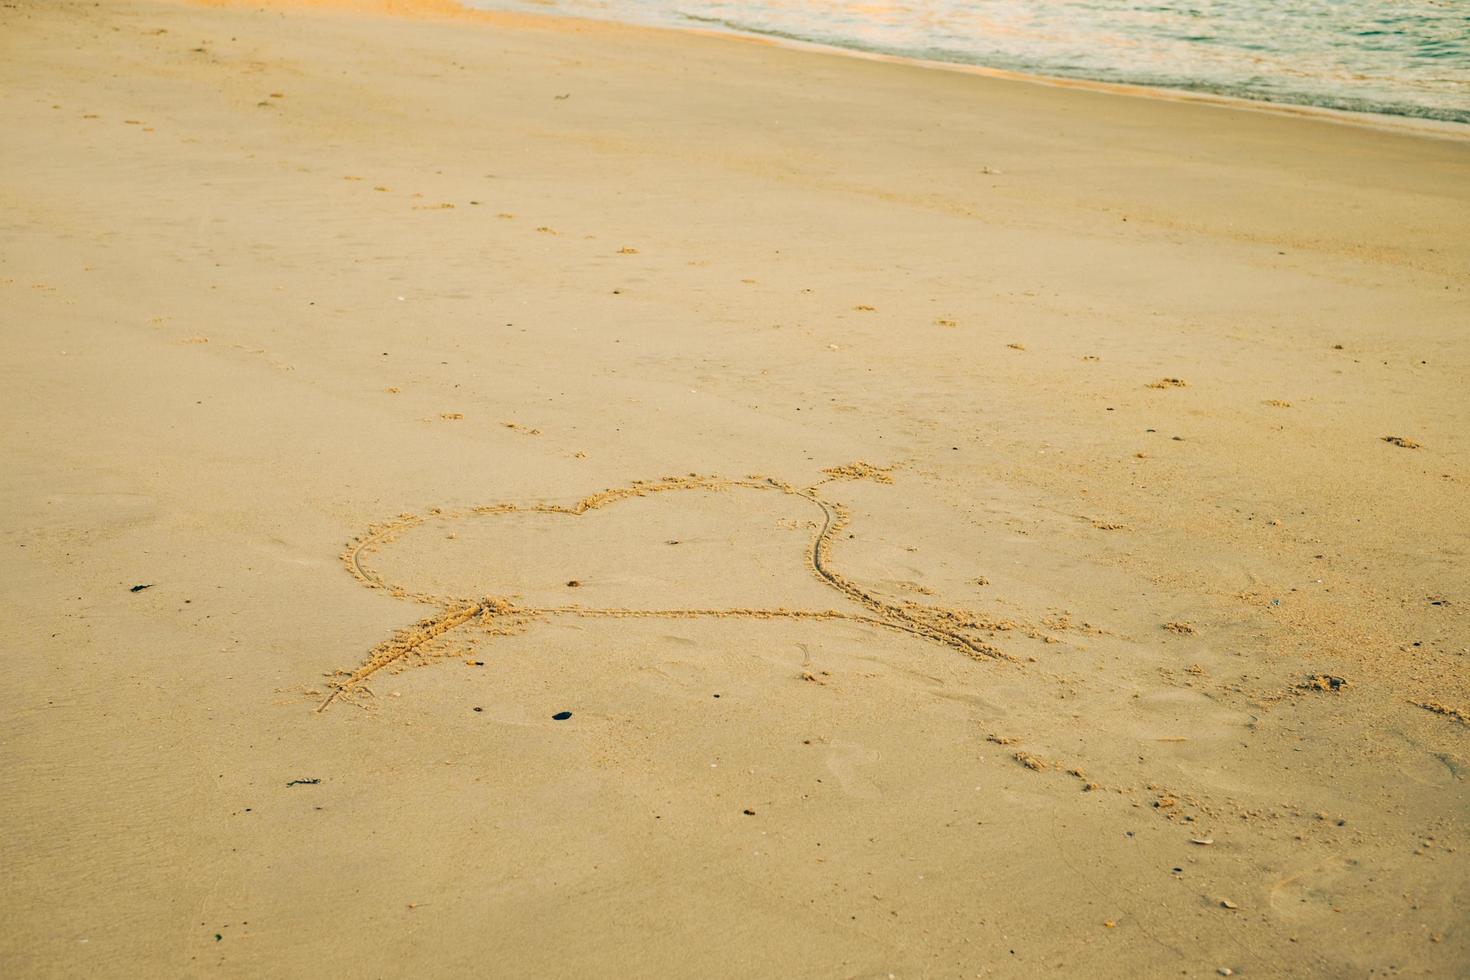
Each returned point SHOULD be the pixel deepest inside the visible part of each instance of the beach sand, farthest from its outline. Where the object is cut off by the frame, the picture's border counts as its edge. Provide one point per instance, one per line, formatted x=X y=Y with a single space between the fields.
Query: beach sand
x=958 y=513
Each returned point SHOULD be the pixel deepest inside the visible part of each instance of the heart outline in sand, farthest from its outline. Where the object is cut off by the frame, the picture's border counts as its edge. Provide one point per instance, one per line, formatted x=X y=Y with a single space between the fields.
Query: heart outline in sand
x=498 y=616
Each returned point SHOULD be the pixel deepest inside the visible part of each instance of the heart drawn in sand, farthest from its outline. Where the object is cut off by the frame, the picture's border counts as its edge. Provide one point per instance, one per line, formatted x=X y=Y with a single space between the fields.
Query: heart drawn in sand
x=954 y=629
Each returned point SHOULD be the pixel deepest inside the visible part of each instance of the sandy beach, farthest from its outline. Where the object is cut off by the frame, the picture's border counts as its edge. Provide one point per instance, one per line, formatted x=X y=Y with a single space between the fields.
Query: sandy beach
x=976 y=527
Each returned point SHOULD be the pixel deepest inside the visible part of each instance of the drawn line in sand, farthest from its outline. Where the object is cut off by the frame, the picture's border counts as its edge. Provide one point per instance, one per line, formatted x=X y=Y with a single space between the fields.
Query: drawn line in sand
x=499 y=616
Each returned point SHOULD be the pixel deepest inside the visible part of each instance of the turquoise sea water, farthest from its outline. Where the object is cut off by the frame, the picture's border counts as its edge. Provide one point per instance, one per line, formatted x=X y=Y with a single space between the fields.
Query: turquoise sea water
x=1400 y=57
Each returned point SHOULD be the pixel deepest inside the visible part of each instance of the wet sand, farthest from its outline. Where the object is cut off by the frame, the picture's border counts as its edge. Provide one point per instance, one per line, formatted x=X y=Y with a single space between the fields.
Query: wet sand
x=977 y=528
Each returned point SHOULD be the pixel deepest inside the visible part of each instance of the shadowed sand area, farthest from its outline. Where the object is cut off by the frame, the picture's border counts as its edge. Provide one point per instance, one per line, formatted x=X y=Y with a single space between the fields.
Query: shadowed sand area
x=1066 y=565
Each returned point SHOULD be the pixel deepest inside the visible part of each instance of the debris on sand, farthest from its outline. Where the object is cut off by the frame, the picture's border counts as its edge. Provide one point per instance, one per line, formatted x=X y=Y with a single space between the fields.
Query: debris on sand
x=860 y=470
x=1169 y=383
x=1403 y=442
x=1323 y=682
x=1030 y=761
x=1179 y=627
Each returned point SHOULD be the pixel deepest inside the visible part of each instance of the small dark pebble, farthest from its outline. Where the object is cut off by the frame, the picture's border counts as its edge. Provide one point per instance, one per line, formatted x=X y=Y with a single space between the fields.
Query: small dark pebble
x=140 y=588
x=748 y=813
x=478 y=708
x=559 y=716
x=573 y=584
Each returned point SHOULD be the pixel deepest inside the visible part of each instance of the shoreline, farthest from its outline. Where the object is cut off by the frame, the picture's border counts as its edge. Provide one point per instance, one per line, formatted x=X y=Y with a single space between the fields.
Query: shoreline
x=1439 y=128
x=452 y=9
x=1372 y=120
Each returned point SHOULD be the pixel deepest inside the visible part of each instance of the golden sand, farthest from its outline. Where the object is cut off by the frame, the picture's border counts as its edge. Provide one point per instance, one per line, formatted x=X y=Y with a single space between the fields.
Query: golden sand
x=1073 y=615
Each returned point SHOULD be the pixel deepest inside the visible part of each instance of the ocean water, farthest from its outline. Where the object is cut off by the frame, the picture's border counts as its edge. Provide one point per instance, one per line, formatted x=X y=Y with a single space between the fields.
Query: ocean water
x=1399 y=57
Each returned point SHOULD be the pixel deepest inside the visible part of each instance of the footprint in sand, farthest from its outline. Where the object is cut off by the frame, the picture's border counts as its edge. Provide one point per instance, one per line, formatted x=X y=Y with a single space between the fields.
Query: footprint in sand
x=1309 y=891
x=845 y=760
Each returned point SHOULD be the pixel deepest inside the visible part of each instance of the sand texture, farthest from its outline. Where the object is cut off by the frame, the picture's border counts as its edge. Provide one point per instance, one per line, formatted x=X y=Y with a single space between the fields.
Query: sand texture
x=977 y=527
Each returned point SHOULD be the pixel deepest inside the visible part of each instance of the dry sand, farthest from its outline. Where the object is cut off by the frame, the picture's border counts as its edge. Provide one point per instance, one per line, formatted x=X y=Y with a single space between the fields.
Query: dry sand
x=1091 y=623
